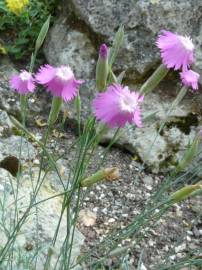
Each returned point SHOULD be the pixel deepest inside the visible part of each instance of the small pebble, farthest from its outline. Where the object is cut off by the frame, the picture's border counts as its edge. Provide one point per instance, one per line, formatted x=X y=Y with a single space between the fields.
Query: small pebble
x=102 y=196
x=111 y=220
x=143 y=267
x=36 y=162
x=172 y=257
x=188 y=238
x=180 y=248
x=95 y=209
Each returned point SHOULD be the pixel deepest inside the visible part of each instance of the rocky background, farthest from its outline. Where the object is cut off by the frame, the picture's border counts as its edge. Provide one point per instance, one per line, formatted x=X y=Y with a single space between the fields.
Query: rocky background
x=74 y=39
x=84 y=25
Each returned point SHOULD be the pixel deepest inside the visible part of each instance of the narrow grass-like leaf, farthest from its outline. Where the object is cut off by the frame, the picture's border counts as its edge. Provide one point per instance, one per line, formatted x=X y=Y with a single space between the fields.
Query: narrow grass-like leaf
x=121 y=76
x=118 y=41
x=150 y=116
x=42 y=34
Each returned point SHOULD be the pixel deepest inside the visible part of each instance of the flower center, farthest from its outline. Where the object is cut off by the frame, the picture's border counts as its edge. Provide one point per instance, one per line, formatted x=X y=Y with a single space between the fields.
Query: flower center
x=64 y=73
x=25 y=76
x=128 y=104
x=187 y=43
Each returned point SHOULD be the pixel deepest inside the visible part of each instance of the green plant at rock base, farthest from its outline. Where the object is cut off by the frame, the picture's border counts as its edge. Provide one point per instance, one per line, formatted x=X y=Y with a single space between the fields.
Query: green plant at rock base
x=19 y=32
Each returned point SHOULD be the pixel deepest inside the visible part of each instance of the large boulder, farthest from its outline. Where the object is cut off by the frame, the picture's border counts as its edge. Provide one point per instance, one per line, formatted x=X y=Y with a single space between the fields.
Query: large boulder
x=97 y=21
x=38 y=228
x=100 y=19
x=67 y=46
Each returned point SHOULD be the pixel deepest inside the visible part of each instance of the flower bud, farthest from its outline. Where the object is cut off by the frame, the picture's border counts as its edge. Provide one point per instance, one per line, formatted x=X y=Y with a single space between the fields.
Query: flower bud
x=108 y=174
x=184 y=193
x=102 y=68
x=103 y=53
x=113 y=175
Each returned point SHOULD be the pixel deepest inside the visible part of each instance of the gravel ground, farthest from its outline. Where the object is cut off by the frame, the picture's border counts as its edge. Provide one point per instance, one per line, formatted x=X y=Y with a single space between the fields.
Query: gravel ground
x=115 y=204
x=112 y=205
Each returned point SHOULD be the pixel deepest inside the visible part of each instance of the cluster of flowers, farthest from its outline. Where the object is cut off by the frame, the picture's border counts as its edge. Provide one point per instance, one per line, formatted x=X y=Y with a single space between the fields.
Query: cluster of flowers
x=16 y=6
x=117 y=105
x=178 y=52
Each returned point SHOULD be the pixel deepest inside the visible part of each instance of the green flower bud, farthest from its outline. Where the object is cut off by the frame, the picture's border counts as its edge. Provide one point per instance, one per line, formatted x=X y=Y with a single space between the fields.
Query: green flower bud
x=109 y=174
x=184 y=193
x=102 y=68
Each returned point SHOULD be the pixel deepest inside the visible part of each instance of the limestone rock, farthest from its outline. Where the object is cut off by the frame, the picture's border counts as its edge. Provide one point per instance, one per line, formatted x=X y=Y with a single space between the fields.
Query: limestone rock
x=32 y=239
x=11 y=147
x=5 y=124
x=67 y=46
x=174 y=138
x=8 y=99
x=142 y=20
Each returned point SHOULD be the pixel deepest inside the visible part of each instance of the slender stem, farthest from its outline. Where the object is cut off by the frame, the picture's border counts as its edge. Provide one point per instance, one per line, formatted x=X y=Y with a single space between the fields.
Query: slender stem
x=104 y=154
x=154 y=80
x=78 y=112
x=79 y=170
x=173 y=106
x=74 y=227
x=13 y=236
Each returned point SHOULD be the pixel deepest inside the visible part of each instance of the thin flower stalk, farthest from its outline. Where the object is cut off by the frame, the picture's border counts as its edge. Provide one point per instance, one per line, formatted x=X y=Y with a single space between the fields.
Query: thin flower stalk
x=153 y=81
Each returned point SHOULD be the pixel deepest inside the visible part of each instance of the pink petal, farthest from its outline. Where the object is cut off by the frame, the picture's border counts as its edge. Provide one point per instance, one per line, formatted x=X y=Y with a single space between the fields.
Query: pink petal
x=22 y=86
x=45 y=74
x=70 y=90
x=117 y=106
x=176 y=50
x=190 y=78
x=31 y=85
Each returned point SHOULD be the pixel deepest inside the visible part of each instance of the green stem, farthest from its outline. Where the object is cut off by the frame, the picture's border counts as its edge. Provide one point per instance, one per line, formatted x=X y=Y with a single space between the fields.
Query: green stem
x=173 y=106
x=78 y=111
x=55 y=109
x=105 y=152
x=74 y=227
x=154 y=80
x=23 y=108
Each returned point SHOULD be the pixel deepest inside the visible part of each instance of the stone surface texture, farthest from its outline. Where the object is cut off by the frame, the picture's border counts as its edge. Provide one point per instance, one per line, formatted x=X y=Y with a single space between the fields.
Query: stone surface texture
x=142 y=20
x=68 y=46
x=11 y=147
x=74 y=40
x=76 y=36
x=34 y=237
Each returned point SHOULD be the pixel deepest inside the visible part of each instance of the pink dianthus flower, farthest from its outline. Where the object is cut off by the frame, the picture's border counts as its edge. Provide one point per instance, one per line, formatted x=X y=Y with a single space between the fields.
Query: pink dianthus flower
x=190 y=78
x=23 y=83
x=176 y=51
x=118 y=106
x=59 y=81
